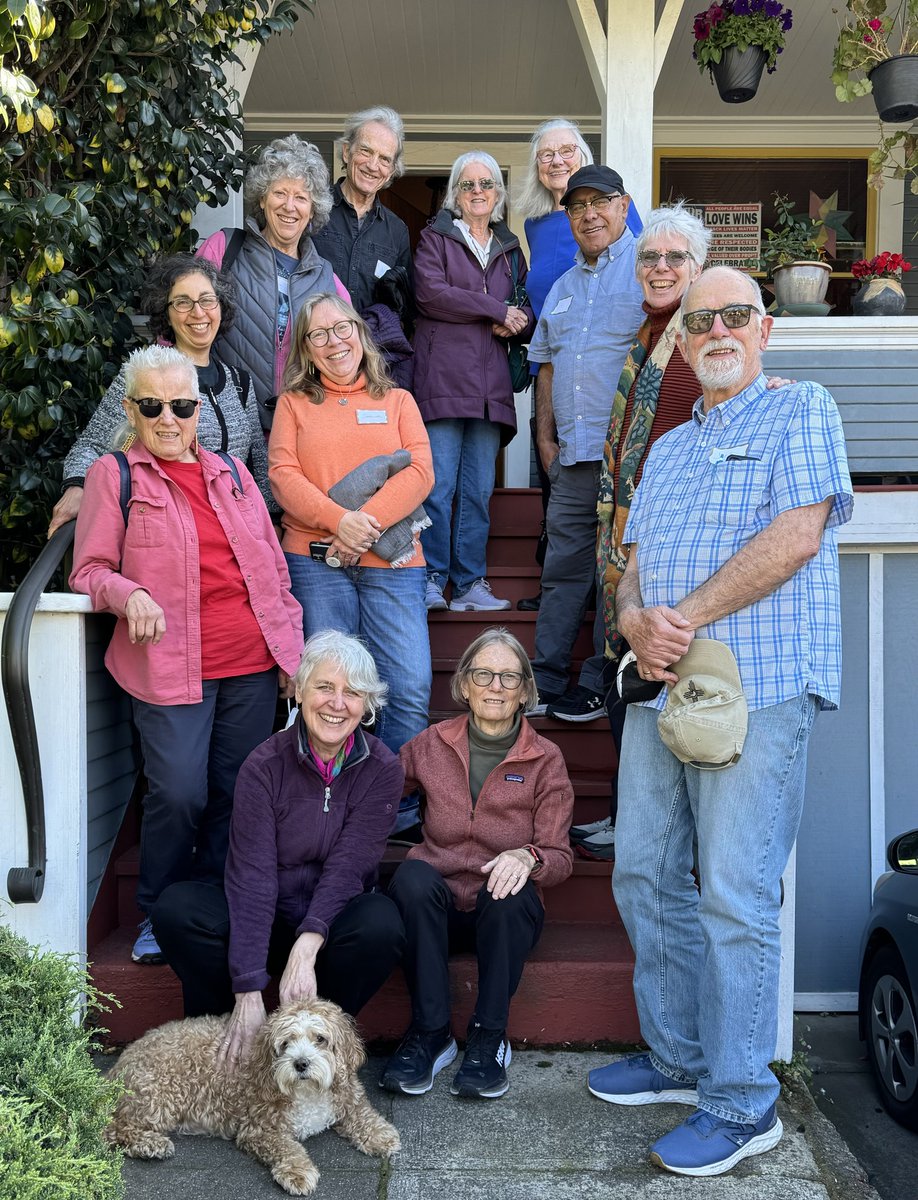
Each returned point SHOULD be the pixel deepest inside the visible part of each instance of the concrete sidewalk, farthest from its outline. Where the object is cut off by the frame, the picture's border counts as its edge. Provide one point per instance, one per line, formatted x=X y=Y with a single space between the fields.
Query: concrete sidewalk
x=548 y=1137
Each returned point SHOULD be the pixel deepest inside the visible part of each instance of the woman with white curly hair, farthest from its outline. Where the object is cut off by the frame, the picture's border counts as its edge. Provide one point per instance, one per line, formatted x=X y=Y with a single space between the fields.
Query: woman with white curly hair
x=273 y=261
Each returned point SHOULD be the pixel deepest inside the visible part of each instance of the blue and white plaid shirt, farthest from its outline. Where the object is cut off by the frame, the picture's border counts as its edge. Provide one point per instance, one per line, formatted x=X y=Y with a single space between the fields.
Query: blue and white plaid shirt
x=711 y=485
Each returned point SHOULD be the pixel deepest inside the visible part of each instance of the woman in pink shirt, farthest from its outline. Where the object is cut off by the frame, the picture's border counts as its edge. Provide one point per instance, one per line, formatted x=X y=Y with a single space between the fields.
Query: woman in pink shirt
x=183 y=552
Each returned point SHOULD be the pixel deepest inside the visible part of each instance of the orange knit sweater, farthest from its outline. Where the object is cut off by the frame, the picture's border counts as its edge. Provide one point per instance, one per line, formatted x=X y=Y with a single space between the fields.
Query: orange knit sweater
x=313 y=446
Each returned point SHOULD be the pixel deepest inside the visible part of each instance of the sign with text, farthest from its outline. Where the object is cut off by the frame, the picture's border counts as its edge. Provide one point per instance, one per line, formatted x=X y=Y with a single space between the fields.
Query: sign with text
x=736 y=232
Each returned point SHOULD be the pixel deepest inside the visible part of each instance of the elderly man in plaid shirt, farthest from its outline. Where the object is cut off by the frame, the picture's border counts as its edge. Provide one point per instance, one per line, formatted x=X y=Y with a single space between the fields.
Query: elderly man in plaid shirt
x=733 y=537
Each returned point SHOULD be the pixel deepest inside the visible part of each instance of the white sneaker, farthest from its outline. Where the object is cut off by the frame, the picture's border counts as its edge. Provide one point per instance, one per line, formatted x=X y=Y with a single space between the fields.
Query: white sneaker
x=478 y=598
x=579 y=833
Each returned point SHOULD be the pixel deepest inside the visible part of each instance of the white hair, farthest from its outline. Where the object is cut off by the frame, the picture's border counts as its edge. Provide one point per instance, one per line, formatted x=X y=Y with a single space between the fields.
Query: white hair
x=349 y=655
x=489 y=162
x=378 y=114
x=676 y=221
x=158 y=358
x=534 y=199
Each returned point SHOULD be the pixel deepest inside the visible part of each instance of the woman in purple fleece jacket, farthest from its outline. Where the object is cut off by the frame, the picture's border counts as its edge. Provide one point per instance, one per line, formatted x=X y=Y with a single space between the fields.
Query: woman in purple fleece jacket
x=312 y=811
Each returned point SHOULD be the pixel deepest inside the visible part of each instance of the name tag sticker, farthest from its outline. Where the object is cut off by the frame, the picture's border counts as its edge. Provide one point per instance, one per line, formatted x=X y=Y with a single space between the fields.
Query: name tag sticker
x=381 y=269
x=562 y=306
x=721 y=454
x=372 y=416
x=513 y=778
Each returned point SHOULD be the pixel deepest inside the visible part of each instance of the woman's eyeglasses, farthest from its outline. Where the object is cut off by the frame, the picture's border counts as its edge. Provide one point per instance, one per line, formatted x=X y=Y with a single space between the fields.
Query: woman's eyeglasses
x=342 y=329
x=674 y=258
x=599 y=204
x=565 y=152
x=469 y=185
x=149 y=406
x=734 y=316
x=184 y=304
x=511 y=680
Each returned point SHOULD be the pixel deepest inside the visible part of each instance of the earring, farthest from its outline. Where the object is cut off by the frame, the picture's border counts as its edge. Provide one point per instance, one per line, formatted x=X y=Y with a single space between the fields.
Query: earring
x=195 y=444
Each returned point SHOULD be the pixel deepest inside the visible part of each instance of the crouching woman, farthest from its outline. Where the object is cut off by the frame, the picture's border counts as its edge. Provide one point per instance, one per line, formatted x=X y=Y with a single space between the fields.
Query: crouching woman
x=496 y=805
x=313 y=808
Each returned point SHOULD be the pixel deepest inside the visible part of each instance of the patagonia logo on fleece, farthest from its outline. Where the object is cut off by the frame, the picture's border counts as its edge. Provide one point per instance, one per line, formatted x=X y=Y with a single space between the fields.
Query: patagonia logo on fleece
x=514 y=779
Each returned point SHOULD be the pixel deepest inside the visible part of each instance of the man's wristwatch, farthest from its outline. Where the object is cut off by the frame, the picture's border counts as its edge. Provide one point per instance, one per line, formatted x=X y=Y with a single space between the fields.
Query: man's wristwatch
x=537 y=856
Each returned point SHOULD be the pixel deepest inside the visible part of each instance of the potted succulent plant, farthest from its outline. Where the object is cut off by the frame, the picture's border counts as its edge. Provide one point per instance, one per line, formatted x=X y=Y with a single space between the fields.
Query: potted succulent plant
x=793 y=254
x=736 y=40
x=881 y=293
x=877 y=52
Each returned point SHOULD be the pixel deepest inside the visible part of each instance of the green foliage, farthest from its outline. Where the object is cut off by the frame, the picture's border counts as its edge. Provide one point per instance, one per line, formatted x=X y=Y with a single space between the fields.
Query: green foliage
x=873 y=31
x=896 y=156
x=54 y=1104
x=728 y=23
x=117 y=119
x=793 y=239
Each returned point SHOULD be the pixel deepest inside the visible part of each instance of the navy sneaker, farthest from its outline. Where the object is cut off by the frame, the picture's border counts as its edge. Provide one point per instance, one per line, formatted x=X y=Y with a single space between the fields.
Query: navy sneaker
x=579 y=704
x=420 y=1056
x=540 y=708
x=484 y=1065
x=707 y=1145
x=146 y=948
x=635 y=1080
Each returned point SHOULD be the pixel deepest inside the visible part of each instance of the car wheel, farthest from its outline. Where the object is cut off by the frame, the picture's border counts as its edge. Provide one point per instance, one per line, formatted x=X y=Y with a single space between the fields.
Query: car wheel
x=892 y=1035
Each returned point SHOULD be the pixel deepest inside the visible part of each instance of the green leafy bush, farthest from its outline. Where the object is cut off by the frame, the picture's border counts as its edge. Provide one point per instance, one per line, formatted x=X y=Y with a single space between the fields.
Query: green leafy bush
x=54 y=1103
x=116 y=120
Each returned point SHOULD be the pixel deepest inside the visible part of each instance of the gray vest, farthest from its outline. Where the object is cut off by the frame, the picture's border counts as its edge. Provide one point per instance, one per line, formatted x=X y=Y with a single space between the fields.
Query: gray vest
x=251 y=344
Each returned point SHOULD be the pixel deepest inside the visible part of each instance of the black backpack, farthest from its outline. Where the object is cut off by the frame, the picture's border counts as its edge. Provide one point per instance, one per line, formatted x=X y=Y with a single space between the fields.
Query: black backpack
x=124 y=470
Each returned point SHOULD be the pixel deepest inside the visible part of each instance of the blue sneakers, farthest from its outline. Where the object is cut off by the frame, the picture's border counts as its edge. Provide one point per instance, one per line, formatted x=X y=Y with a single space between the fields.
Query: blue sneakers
x=707 y=1145
x=635 y=1080
x=146 y=948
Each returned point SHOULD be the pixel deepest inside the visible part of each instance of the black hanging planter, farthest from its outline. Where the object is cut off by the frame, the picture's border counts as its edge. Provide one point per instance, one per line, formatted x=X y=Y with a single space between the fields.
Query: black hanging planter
x=895 y=88
x=738 y=73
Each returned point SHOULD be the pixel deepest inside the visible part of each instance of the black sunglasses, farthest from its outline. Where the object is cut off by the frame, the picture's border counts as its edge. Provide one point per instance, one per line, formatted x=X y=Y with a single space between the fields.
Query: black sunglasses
x=734 y=316
x=149 y=406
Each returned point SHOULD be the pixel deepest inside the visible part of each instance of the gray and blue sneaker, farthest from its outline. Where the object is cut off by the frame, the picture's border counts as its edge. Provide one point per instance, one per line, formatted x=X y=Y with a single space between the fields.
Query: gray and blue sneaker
x=434 y=600
x=146 y=948
x=707 y=1145
x=635 y=1080
x=478 y=598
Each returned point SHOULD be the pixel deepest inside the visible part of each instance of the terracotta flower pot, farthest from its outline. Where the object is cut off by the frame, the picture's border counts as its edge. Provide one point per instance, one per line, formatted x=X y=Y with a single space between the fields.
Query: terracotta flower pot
x=881 y=297
x=737 y=74
x=895 y=88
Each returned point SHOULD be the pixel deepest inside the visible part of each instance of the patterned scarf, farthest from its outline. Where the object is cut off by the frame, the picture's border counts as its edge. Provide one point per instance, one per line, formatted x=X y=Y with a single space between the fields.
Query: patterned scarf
x=612 y=507
x=331 y=769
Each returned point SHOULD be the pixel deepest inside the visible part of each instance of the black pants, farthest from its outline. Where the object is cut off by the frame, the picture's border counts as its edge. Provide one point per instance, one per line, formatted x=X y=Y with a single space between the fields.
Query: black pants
x=191 y=923
x=502 y=933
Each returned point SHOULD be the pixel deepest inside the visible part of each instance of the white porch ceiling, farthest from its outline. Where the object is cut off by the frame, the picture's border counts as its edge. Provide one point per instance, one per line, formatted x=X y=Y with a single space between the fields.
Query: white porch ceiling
x=505 y=65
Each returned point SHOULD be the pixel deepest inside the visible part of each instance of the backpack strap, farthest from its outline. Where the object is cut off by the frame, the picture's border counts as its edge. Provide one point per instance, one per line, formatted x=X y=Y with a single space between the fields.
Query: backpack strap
x=234 y=470
x=124 y=491
x=234 y=240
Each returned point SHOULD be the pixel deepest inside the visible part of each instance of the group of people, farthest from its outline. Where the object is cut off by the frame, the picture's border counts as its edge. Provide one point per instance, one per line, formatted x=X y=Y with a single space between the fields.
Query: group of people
x=267 y=404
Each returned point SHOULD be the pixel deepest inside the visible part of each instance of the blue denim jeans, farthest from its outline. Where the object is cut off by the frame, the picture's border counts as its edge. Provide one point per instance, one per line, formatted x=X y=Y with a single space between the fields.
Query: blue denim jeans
x=706 y=970
x=464 y=458
x=385 y=607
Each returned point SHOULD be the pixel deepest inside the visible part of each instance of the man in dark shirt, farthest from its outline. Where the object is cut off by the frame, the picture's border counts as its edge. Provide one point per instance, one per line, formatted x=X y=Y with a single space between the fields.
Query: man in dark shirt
x=364 y=239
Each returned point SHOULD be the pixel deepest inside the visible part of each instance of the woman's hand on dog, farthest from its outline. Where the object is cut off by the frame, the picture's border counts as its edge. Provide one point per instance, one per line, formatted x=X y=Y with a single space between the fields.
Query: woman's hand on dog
x=509 y=872
x=298 y=981
x=246 y=1019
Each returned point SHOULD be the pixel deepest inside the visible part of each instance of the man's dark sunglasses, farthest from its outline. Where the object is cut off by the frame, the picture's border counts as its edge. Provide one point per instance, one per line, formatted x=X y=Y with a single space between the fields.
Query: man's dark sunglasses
x=149 y=406
x=734 y=316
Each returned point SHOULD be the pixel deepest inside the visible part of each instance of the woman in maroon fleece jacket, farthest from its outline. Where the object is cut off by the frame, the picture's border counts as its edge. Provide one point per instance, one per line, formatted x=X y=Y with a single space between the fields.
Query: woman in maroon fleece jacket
x=312 y=811
x=496 y=808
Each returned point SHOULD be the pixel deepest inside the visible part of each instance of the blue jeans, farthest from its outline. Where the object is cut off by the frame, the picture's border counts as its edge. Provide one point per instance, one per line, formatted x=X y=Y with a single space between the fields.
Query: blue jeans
x=464 y=457
x=706 y=970
x=385 y=607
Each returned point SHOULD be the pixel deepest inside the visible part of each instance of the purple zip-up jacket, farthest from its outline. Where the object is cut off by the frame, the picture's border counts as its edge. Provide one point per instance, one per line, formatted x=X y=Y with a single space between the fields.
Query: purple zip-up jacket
x=460 y=366
x=299 y=851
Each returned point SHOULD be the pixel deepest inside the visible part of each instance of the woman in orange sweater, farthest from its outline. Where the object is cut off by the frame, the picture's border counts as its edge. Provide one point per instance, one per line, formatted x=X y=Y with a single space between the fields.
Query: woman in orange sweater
x=350 y=464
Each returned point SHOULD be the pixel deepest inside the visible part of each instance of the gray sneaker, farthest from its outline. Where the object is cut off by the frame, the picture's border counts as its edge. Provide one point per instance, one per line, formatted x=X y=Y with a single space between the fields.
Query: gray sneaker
x=479 y=598
x=433 y=597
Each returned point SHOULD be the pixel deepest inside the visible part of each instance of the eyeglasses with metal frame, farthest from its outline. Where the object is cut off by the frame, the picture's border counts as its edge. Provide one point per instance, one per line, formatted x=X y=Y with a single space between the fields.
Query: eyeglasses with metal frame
x=510 y=680
x=184 y=304
x=734 y=316
x=674 y=258
x=599 y=204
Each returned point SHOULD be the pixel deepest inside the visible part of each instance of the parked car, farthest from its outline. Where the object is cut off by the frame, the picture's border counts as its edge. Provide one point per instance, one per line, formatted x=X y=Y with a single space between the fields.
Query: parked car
x=889 y=982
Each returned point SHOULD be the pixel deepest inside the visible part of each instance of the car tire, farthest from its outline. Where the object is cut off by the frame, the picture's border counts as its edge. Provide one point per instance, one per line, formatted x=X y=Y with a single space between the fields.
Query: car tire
x=891 y=1028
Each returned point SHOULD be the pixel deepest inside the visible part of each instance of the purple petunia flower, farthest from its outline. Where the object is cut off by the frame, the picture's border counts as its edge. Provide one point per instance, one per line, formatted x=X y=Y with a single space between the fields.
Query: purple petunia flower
x=772 y=8
x=756 y=5
x=741 y=8
x=787 y=20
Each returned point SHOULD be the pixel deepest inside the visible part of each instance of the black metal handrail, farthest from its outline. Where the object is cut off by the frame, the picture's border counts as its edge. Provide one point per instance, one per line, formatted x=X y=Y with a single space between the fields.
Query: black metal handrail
x=25 y=885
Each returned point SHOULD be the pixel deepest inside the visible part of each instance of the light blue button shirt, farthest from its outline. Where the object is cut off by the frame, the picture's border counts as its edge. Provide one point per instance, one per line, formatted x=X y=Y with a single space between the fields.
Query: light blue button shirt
x=708 y=487
x=587 y=326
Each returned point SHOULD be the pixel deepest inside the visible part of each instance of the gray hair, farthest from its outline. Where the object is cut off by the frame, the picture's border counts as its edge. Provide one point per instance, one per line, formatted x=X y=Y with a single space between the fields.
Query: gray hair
x=379 y=114
x=496 y=635
x=490 y=163
x=755 y=293
x=158 y=358
x=349 y=655
x=676 y=221
x=534 y=199
x=289 y=158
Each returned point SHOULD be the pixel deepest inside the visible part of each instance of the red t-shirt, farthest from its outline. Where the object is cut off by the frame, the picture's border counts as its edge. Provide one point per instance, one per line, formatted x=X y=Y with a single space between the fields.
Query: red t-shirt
x=231 y=640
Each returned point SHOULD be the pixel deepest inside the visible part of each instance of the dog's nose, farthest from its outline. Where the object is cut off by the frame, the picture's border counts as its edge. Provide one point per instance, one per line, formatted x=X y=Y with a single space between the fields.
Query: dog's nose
x=301 y=1066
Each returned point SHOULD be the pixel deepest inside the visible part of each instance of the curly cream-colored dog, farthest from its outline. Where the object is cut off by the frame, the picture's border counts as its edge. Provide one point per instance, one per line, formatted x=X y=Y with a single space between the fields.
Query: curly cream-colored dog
x=300 y=1078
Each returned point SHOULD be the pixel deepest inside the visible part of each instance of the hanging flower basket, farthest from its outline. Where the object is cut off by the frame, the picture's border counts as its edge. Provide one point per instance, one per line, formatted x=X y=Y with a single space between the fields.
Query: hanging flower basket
x=895 y=88
x=738 y=73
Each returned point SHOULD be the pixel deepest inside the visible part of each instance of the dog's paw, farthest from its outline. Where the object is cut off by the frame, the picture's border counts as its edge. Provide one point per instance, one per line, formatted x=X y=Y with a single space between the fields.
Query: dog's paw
x=148 y=1145
x=299 y=1179
x=383 y=1141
